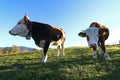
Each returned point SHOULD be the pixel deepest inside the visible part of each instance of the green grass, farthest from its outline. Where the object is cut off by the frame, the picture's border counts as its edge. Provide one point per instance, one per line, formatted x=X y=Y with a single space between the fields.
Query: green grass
x=76 y=65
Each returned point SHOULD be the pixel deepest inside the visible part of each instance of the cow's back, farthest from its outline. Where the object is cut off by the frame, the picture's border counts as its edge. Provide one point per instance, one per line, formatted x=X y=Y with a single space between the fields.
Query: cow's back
x=56 y=33
x=41 y=31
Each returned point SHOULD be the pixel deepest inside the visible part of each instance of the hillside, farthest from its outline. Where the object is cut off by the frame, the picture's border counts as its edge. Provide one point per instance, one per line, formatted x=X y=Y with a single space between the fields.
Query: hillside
x=76 y=65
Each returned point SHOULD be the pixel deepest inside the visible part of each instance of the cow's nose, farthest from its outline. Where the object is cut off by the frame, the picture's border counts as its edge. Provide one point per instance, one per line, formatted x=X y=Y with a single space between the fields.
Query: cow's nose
x=9 y=32
x=93 y=45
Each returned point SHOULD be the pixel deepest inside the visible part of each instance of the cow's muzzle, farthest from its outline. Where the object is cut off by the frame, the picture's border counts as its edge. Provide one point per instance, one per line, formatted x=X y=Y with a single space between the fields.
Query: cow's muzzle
x=93 y=45
x=12 y=33
x=28 y=37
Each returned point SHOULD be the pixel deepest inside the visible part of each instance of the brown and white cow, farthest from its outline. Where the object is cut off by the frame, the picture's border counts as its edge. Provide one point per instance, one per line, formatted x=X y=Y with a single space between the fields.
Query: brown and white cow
x=42 y=34
x=96 y=35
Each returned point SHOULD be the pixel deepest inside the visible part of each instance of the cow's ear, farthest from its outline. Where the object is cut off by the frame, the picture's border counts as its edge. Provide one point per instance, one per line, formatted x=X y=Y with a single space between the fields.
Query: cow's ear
x=82 y=34
x=26 y=19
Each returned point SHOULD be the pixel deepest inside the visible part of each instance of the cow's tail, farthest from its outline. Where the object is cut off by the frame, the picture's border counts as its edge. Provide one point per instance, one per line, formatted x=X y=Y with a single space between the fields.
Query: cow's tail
x=63 y=34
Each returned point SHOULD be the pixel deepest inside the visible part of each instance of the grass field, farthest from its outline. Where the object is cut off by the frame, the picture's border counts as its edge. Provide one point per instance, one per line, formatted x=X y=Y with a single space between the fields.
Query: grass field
x=76 y=65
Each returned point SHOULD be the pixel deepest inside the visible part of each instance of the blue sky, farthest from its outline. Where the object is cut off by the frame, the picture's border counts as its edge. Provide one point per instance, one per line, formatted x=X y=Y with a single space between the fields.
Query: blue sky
x=71 y=15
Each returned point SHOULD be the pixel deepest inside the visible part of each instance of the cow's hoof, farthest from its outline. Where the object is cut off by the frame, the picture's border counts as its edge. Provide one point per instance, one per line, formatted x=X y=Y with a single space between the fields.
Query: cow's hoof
x=100 y=52
x=63 y=55
x=94 y=57
x=43 y=62
x=58 y=55
x=107 y=57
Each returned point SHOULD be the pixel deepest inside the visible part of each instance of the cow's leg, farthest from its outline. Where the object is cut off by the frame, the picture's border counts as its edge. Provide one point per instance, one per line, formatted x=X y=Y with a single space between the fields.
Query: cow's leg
x=94 y=53
x=104 y=50
x=62 y=45
x=58 y=50
x=45 y=49
x=100 y=49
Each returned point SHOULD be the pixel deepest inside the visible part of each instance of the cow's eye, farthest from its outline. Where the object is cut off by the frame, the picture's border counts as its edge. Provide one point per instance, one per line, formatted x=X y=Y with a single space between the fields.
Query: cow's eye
x=19 y=23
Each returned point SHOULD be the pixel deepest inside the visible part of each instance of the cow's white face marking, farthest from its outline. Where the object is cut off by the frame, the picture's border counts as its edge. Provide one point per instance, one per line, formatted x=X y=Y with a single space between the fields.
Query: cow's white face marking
x=20 y=29
x=92 y=34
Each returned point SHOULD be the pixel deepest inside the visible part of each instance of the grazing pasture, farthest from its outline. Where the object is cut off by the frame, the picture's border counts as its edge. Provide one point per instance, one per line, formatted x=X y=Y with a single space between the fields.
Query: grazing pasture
x=77 y=64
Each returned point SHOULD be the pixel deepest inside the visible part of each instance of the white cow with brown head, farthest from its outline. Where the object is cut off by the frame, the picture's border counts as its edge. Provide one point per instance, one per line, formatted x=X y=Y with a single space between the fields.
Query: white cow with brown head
x=96 y=35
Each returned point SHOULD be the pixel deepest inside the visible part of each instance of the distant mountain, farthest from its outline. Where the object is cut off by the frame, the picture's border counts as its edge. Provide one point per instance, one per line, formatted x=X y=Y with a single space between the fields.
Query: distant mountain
x=26 y=48
x=3 y=48
x=21 y=48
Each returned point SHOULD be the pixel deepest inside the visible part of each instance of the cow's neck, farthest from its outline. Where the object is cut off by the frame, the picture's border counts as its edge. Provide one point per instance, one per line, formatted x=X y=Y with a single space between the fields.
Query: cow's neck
x=29 y=26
